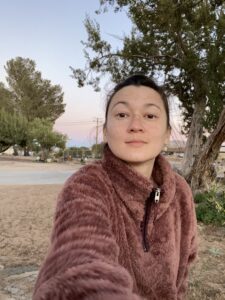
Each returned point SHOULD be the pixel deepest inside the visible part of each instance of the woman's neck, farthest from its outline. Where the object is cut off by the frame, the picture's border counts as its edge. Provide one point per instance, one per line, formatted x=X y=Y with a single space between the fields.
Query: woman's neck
x=145 y=169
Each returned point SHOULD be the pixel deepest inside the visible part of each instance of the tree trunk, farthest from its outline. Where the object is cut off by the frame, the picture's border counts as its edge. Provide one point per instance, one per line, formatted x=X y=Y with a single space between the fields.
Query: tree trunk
x=44 y=155
x=202 y=169
x=15 y=153
x=26 y=151
x=194 y=141
x=3 y=148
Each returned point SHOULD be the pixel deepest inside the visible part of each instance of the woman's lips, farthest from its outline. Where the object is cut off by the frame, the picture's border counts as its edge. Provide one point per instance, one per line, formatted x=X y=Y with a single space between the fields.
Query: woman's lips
x=136 y=143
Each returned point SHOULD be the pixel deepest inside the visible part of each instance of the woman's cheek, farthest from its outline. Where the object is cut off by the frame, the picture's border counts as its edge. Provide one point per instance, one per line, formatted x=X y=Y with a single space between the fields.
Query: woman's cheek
x=115 y=128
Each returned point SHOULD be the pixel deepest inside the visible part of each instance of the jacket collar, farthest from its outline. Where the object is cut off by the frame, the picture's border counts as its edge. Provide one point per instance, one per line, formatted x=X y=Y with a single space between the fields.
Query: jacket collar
x=132 y=186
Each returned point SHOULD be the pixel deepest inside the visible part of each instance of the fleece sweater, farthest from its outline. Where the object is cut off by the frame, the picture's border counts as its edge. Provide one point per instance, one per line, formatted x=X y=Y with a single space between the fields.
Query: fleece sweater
x=114 y=237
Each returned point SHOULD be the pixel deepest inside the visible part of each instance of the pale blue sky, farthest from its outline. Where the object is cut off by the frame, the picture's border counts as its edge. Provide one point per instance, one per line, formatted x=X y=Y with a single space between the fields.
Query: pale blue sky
x=50 y=32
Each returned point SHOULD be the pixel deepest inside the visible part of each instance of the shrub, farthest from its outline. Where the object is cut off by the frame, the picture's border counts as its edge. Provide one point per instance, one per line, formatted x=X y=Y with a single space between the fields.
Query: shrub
x=210 y=206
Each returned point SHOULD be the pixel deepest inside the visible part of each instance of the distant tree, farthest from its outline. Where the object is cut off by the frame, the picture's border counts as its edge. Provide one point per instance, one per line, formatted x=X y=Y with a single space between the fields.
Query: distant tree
x=85 y=151
x=79 y=152
x=34 y=97
x=6 y=99
x=97 y=150
x=41 y=131
x=181 y=42
x=13 y=130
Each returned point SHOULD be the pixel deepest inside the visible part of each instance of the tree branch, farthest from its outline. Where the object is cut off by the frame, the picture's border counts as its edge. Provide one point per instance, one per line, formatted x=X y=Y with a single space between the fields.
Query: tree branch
x=139 y=56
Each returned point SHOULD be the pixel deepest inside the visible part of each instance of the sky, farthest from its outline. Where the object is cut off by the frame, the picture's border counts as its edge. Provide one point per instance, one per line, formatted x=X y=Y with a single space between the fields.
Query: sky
x=50 y=33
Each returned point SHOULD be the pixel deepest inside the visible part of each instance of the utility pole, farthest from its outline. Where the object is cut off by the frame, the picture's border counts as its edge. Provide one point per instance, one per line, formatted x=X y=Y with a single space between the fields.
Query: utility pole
x=97 y=120
x=96 y=141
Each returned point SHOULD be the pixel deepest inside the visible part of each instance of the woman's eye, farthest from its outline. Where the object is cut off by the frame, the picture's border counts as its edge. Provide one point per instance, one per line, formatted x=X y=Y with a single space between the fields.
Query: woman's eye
x=150 y=116
x=121 y=115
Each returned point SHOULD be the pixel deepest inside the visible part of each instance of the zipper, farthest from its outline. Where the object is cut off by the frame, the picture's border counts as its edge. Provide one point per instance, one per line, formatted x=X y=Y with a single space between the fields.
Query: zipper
x=157 y=195
x=154 y=196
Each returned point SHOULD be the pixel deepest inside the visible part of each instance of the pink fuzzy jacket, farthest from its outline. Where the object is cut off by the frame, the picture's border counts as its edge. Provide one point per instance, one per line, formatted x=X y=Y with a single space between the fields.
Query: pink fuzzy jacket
x=116 y=238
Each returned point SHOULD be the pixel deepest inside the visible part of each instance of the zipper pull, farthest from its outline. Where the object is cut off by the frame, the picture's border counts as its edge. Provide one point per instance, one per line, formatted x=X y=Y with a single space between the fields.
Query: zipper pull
x=157 y=195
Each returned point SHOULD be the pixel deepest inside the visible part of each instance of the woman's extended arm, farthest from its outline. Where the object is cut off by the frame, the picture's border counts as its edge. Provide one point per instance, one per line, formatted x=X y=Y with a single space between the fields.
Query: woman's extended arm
x=82 y=262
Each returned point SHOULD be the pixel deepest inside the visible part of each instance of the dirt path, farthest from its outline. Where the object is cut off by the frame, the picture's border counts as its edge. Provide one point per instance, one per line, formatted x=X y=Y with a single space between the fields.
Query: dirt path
x=26 y=219
x=25 y=222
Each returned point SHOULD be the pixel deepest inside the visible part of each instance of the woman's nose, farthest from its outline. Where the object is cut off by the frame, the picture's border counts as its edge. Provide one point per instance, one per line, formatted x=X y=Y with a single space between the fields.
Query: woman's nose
x=135 y=124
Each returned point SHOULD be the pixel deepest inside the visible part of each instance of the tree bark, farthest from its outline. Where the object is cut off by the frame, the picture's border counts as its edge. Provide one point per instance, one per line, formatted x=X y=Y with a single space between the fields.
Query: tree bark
x=15 y=153
x=26 y=151
x=3 y=148
x=44 y=154
x=195 y=139
x=202 y=168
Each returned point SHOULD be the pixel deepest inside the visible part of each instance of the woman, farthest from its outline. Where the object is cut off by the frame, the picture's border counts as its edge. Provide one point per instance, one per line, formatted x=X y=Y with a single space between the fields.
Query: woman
x=125 y=227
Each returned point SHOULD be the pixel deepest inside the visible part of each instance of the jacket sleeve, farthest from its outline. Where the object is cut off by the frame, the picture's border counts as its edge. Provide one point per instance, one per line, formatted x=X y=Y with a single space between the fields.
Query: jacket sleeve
x=82 y=262
x=182 y=289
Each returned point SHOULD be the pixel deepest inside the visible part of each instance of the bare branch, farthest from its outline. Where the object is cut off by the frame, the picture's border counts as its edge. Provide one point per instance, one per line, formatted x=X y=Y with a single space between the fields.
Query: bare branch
x=140 y=56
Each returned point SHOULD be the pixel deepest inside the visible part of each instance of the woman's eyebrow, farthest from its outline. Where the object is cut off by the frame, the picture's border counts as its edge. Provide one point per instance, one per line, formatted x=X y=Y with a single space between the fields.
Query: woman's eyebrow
x=152 y=104
x=127 y=104
x=121 y=102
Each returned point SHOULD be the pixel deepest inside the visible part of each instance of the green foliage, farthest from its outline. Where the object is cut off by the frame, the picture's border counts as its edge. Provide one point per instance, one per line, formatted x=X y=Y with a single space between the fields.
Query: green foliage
x=6 y=99
x=33 y=96
x=182 y=42
x=38 y=134
x=79 y=152
x=41 y=131
x=29 y=107
x=13 y=129
x=210 y=207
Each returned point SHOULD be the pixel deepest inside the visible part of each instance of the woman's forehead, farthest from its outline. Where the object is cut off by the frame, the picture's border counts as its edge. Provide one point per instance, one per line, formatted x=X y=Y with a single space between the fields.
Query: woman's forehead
x=141 y=104
x=137 y=96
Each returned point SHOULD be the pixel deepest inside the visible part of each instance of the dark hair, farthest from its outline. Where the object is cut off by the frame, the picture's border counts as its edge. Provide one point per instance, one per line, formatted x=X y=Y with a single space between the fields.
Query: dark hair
x=139 y=80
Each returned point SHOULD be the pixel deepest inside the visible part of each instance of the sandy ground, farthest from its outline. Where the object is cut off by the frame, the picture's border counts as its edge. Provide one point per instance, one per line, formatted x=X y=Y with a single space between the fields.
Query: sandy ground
x=26 y=214
x=25 y=221
x=28 y=164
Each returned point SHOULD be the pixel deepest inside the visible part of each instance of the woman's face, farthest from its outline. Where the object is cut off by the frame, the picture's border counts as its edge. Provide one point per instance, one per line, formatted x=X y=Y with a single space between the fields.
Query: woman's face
x=136 y=128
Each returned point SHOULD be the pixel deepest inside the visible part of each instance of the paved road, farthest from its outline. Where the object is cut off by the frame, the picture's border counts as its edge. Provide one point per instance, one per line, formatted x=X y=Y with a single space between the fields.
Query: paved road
x=37 y=177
